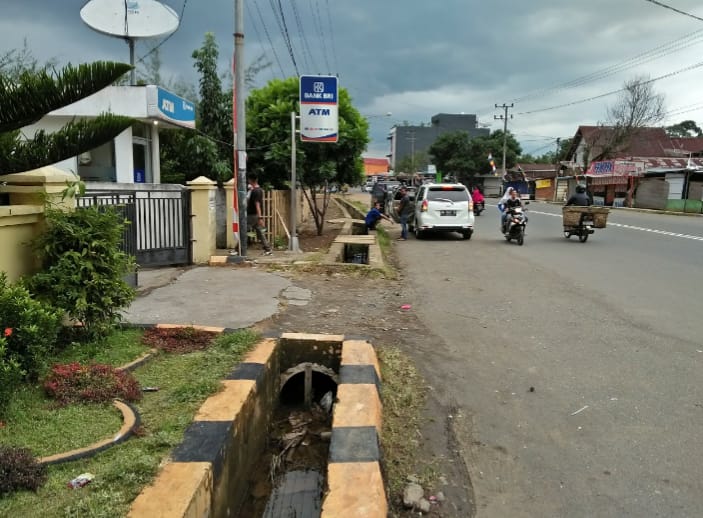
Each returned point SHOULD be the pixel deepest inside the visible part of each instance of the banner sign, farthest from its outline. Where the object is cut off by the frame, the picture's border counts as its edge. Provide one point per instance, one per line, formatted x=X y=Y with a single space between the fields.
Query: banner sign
x=616 y=168
x=319 y=109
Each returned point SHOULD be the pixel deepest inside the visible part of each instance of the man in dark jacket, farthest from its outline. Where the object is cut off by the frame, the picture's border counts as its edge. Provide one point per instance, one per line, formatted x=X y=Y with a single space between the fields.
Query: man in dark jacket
x=579 y=198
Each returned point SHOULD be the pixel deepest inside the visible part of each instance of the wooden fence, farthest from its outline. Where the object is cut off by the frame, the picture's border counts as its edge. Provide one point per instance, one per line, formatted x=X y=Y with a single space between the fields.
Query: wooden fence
x=277 y=214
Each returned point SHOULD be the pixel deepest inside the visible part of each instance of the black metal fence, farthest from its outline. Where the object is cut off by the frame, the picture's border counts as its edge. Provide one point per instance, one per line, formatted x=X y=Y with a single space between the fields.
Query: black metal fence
x=159 y=233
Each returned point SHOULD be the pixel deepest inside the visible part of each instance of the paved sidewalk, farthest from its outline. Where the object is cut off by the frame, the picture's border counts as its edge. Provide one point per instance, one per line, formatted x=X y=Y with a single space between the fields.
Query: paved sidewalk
x=211 y=296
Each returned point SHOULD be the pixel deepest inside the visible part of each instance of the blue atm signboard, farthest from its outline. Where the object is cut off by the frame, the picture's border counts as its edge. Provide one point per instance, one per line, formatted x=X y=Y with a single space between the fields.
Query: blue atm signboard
x=167 y=106
x=319 y=109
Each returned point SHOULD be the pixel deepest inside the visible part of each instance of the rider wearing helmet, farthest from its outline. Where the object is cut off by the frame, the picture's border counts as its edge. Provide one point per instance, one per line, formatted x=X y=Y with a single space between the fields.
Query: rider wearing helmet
x=580 y=198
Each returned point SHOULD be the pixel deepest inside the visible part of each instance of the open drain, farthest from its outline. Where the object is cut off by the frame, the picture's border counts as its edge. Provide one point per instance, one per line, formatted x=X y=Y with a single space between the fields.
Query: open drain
x=356 y=253
x=289 y=479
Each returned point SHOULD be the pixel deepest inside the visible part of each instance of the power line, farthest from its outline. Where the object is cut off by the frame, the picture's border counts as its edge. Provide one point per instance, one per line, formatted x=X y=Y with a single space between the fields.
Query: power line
x=306 y=48
x=317 y=23
x=259 y=39
x=283 y=27
x=334 y=47
x=657 y=52
x=675 y=10
x=268 y=37
x=581 y=101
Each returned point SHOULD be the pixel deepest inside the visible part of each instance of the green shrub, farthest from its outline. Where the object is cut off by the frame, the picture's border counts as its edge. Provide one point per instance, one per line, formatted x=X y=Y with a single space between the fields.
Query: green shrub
x=19 y=470
x=11 y=374
x=94 y=383
x=33 y=327
x=84 y=267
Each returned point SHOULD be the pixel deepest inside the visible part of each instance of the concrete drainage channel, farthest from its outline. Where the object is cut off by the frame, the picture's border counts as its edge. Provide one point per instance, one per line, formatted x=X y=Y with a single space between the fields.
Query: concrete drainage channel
x=353 y=245
x=263 y=445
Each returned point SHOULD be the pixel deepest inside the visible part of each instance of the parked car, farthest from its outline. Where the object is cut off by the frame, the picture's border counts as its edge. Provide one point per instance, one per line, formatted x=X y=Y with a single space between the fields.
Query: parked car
x=443 y=207
x=380 y=190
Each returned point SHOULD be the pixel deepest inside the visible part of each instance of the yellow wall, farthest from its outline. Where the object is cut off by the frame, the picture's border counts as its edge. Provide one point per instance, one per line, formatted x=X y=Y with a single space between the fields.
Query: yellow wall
x=19 y=224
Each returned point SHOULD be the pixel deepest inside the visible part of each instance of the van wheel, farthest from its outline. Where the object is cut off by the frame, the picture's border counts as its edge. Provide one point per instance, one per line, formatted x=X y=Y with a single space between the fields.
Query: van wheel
x=418 y=233
x=466 y=234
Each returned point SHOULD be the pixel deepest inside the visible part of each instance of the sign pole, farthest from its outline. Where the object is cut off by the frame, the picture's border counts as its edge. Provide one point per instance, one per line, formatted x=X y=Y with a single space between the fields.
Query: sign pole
x=293 y=244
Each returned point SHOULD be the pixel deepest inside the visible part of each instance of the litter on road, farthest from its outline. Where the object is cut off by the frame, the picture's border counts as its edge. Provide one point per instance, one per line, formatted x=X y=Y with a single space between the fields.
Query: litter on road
x=580 y=410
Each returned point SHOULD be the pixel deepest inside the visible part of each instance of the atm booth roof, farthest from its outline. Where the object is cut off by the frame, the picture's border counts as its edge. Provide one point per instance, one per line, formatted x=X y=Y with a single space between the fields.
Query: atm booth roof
x=148 y=103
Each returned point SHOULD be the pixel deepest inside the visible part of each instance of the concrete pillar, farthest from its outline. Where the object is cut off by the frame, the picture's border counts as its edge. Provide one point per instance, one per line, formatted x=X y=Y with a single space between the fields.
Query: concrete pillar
x=40 y=186
x=229 y=209
x=155 y=155
x=202 y=207
x=124 y=157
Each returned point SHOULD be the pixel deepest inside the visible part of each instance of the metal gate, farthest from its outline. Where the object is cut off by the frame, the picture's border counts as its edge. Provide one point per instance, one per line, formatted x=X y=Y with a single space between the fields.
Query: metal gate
x=159 y=233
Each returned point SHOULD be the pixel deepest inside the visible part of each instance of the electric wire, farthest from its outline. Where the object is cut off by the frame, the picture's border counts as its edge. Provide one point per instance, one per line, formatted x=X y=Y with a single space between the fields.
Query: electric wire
x=317 y=24
x=655 y=2
x=332 y=39
x=657 y=52
x=268 y=37
x=283 y=28
x=592 y=98
x=307 y=54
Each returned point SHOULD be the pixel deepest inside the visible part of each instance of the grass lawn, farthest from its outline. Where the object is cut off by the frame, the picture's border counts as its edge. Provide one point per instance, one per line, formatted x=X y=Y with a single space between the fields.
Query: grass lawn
x=184 y=382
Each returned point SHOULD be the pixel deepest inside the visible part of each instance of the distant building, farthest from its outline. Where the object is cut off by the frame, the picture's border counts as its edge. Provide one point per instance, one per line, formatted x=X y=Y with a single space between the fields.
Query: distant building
x=405 y=141
x=375 y=166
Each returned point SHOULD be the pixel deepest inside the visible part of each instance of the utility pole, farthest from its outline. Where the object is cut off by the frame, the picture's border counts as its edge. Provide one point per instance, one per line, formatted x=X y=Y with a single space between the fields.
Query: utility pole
x=412 y=139
x=504 y=118
x=239 y=120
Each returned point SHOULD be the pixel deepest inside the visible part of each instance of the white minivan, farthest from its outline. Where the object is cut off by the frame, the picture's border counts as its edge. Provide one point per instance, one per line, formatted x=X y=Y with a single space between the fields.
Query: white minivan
x=443 y=207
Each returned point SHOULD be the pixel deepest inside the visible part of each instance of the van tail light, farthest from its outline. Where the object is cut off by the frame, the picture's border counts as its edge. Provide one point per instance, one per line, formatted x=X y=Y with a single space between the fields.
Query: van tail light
x=423 y=207
x=471 y=206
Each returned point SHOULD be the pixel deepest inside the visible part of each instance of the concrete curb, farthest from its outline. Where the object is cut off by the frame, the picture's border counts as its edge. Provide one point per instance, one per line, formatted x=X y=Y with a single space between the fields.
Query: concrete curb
x=130 y=422
x=637 y=209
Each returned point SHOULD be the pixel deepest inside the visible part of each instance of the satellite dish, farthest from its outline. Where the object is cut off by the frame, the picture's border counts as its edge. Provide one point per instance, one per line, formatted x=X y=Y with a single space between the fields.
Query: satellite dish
x=130 y=20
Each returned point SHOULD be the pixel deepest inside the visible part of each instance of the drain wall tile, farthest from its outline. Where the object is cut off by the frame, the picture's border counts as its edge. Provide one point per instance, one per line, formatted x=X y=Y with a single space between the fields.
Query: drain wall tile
x=180 y=490
x=226 y=404
x=357 y=405
x=359 y=352
x=355 y=491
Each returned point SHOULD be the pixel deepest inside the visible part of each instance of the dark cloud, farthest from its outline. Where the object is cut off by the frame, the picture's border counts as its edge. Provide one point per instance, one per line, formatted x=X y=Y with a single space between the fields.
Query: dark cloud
x=415 y=59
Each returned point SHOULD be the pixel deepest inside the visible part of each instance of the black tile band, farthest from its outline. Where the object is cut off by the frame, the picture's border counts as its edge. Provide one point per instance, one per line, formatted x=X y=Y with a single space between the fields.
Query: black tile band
x=354 y=444
x=205 y=441
x=359 y=375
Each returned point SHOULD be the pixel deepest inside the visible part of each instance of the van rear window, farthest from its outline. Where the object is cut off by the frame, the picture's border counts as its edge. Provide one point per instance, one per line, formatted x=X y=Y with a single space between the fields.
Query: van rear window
x=444 y=193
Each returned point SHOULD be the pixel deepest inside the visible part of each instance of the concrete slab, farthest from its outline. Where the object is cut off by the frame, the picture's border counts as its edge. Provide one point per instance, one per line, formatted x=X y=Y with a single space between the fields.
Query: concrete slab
x=227 y=297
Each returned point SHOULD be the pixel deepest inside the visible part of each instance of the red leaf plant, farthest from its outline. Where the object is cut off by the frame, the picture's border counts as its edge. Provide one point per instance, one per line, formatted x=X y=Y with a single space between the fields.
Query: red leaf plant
x=93 y=383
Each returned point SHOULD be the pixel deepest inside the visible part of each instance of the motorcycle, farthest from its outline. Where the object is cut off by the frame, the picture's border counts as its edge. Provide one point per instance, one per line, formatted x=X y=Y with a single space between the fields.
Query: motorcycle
x=479 y=207
x=514 y=225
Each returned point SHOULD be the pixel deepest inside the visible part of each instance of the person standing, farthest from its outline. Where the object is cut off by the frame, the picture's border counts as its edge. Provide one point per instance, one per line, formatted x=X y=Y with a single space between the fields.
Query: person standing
x=255 y=211
x=404 y=213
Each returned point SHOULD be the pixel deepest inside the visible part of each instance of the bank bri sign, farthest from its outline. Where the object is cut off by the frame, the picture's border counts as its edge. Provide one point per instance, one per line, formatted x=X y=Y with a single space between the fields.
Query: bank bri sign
x=319 y=109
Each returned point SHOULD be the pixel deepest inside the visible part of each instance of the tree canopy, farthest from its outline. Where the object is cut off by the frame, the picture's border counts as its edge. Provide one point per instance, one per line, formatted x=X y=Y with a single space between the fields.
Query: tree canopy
x=268 y=112
x=457 y=155
x=687 y=128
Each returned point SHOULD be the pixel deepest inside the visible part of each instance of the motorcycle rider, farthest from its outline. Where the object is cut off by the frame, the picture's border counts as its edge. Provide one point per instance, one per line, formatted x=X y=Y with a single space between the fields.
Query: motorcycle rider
x=477 y=197
x=511 y=201
x=579 y=198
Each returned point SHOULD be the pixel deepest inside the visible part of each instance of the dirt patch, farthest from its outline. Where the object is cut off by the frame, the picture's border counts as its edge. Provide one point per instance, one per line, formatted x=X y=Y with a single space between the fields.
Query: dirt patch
x=178 y=340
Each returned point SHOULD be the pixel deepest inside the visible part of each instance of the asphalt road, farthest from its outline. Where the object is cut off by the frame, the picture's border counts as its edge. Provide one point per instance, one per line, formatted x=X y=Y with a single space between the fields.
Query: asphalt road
x=574 y=368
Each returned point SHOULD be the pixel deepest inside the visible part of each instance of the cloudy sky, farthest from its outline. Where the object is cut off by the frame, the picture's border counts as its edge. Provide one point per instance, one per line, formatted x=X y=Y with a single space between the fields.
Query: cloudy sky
x=417 y=58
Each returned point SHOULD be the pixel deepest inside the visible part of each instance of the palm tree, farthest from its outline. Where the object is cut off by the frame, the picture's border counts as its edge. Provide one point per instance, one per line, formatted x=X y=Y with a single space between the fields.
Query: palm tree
x=25 y=101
